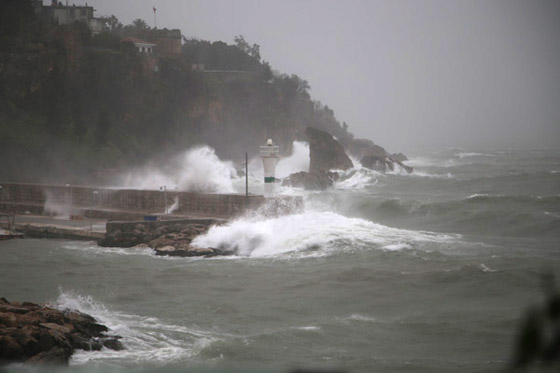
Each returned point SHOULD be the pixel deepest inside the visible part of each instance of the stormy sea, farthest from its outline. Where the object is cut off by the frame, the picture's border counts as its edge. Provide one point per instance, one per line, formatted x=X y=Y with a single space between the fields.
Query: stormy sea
x=423 y=272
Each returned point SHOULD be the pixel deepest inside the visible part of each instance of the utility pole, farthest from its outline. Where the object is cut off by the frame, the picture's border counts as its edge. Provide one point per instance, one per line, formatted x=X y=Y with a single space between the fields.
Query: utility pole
x=155 y=20
x=164 y=188
x=93 y=193
x=246 y=181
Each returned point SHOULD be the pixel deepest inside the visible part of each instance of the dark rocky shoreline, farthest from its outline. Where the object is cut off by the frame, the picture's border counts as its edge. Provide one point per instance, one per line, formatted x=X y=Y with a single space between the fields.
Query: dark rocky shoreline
x=38 y=334
x=173 y=239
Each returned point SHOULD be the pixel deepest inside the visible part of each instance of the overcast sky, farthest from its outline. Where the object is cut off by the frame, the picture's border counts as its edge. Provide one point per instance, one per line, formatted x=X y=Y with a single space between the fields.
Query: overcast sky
x=406 y=74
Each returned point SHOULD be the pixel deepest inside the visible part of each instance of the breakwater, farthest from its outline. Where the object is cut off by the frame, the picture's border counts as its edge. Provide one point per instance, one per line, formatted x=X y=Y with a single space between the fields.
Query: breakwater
x=126 y=204
x=76 y=206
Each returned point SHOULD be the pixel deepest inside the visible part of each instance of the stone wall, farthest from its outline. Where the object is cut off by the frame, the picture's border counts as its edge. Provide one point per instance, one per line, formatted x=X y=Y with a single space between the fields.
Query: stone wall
x=132 y=200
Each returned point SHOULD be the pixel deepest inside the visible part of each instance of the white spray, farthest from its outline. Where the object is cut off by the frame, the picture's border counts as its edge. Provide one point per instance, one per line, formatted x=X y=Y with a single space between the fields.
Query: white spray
x=197 y=169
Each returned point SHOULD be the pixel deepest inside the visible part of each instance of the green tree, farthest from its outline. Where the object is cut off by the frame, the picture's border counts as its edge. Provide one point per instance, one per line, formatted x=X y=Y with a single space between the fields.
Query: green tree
x=140 y=24
x=240 y=43
x=252 y=50
x=113 y=23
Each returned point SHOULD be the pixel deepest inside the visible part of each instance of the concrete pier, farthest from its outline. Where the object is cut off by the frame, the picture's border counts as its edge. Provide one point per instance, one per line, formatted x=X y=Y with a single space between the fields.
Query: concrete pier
x=82 y=212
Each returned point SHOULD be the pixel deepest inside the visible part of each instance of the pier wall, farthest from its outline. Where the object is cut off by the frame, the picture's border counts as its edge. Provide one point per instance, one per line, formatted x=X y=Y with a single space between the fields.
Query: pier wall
x=39 y=198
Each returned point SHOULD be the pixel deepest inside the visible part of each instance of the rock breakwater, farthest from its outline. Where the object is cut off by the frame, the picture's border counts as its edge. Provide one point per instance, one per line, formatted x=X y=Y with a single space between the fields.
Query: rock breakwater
x=166 y=238
x=34 y=333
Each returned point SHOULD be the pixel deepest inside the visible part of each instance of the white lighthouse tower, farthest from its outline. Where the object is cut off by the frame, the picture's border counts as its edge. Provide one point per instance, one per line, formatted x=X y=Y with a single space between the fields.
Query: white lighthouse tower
x=269 y=155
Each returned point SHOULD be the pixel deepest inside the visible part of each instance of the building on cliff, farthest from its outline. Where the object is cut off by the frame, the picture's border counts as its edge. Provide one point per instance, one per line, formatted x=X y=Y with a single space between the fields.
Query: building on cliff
x=142 y=46
x=168 y=42
x=148 y=50
x=64 y=14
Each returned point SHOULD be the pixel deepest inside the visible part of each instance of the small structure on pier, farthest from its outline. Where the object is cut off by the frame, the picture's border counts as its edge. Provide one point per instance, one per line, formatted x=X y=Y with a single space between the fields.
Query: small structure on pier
x=269 y=155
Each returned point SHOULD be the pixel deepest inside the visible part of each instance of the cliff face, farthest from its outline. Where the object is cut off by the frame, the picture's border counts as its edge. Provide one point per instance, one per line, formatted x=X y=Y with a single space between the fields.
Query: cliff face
x=77 y=108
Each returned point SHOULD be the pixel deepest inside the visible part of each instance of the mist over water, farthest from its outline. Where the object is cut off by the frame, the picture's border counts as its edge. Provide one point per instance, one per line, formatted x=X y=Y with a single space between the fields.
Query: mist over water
x=429 y=271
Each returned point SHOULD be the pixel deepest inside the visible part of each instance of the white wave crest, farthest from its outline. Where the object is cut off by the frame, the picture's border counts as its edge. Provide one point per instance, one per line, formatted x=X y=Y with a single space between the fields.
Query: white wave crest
x=466 y=155
x=477 y=195
x=197 y=169
x=398 y=170
x=486 y=268
x=358 y=317
x=147 y=340
x=448 y=175
x=420 y=162
x=357 y=178
x=397 y=247
x=91 y=249
x=325 y=232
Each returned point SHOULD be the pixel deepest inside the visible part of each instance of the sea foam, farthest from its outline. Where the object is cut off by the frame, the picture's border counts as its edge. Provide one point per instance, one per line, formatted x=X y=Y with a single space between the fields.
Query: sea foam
x=322 y=232
x=147 y=340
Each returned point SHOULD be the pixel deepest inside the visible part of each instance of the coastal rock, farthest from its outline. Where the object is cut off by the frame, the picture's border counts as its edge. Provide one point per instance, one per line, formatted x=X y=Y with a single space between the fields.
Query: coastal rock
x=325 y=152
x=122 y=239
x=39 y=334
x=172 y=239
x=142 y=236
x=190 y=251
x=359 y=148
x=399 y=157
x=311 y=181
x=383 y=163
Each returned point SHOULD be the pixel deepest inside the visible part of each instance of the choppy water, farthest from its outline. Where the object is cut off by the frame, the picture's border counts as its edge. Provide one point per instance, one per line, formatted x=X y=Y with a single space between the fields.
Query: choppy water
x=424 y=272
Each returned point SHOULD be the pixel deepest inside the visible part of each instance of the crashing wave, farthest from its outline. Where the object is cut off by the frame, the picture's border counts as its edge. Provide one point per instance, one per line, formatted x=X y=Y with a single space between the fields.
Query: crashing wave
x=325 y=232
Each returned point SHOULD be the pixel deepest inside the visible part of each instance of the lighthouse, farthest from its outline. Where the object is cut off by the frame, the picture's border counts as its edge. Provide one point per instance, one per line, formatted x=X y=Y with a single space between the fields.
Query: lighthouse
x=269 y=155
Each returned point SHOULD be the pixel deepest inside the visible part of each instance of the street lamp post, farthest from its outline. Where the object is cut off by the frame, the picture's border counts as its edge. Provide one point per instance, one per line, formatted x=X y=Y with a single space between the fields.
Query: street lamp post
x=93 y=193
x=164 y=188
x=246 y=181
x=68 y=199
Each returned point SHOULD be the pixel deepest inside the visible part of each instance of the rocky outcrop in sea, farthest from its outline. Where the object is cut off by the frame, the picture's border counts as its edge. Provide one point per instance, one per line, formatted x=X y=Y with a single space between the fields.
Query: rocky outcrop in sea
x=34 y=333
x=383 y=163
x=325 y=154
x=311 y=181
x=375 y=157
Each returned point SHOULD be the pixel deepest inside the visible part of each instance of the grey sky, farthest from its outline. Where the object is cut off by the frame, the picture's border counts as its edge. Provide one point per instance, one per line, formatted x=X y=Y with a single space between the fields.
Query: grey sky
x=406 y=74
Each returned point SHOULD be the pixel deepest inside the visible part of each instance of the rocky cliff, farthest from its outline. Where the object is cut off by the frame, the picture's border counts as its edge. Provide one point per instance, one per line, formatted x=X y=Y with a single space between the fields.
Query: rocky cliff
x=80 y=108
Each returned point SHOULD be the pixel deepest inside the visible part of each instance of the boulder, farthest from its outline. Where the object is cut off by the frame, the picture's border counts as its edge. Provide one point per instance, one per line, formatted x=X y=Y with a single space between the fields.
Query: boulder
x=325 y=152
x=189 y=251
x=383 y=163
x=311 y=181
x=38 y=334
